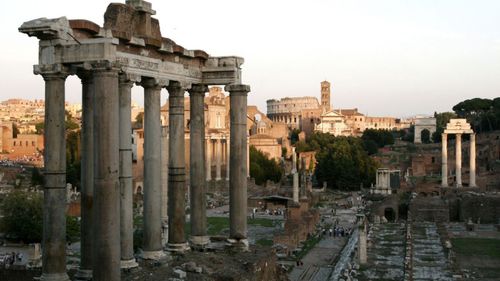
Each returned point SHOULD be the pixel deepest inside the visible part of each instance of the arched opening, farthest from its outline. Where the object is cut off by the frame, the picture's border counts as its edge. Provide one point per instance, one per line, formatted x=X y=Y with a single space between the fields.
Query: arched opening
x=390 y=214
x=138 y=190
x=425 y=136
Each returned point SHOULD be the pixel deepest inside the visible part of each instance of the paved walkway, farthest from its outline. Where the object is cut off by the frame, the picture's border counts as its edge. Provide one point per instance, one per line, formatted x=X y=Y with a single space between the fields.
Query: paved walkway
x=319 y=262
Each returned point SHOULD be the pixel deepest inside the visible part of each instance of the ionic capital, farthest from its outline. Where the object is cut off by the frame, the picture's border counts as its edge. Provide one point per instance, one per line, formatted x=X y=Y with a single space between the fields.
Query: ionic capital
x=176 y=88
x=237 y=89
x=128 y=79
x=198 y=89
x=153 y=83
x=52 y=71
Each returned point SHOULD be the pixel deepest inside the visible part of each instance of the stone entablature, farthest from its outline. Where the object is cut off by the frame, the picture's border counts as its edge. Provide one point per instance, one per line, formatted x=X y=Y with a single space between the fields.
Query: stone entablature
x=130 y=41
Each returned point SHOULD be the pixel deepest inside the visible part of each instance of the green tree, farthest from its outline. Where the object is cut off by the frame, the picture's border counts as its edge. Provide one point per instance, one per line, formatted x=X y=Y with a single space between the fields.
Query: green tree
x=442 y=119
x=294 y=136
x=479 y=112
x=344 y=164
x=39 y=127
x=22 y=216
x=138 y=121
x=380 y=138
x=262 y=168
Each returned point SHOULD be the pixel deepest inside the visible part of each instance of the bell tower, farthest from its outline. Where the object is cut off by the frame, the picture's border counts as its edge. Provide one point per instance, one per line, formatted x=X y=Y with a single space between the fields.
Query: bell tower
x=325 y=96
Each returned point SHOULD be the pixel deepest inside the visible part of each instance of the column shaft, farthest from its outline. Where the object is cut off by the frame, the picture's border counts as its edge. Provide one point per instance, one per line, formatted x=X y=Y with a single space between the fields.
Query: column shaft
x=152 y=166
x=126 y=188
x=238 y=163
x=54 y=193
x=106 y=214
x=197 y=166
x=444 y=160
x=228 y=156
x=209 y=160
x=458 y=159
x=176 y=169
x=472 y=163
x=87 y=177
x=218 y=158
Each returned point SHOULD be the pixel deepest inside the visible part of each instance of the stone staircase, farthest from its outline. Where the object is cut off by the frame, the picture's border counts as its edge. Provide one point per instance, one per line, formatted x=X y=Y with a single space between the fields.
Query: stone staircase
x=429 y=259
x=386 y=253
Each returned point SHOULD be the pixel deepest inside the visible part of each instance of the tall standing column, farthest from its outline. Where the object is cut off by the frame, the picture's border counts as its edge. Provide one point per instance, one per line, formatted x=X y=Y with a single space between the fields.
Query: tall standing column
x=209 y=159
x=106 y=215
x=176 y=169
x=87 y=177
x=54 y=192
x=472 y=168
x=458 y=159
x=238 y=163
x=126 y=188
x=228 y=153
x=197 y=167
x=152 y=248
x=218 y=159
x=248 y=151
x=444 y=160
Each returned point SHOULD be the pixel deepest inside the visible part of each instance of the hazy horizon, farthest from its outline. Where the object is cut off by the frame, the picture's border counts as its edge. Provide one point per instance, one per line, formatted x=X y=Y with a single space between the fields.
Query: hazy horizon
x=386 y=58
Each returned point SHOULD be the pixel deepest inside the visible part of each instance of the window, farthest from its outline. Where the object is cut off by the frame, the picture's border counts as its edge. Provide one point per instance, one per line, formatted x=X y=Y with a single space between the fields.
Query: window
x=14 y=143
x=32 y=143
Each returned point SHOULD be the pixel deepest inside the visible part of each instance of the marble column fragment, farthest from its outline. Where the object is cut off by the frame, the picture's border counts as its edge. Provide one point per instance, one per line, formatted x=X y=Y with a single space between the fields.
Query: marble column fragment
x=458 y=159
x=126 y=188
x=238 y=162
x=87 y=177
x=54 y=192
x=444 y=160
x=152 y=248
x=199 y=236
x=106 y=215
x=176 y=170
x=472 y=163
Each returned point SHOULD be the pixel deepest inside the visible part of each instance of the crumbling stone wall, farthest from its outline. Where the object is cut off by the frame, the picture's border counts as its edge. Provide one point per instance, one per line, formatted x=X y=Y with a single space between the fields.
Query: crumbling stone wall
x=433 y=209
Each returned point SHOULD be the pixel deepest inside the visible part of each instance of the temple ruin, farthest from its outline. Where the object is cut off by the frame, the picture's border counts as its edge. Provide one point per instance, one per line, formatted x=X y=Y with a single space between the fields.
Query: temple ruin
x=129 y=50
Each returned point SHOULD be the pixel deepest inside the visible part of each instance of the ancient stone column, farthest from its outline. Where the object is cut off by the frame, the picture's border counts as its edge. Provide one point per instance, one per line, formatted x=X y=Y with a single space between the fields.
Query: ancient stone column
x=295 y=176
x=248 y=154
x=126 y=188
x=87 y=177
x=458 y=159
x=218 y=159
x=238 y=163
x=164 y=186
x=152 y=248
x=54 y=192
x=209 y=159
x=472 y=179
x=199 y=236
x=228 y=153
x=176 y=170
x=444 y=160
x=106 y=215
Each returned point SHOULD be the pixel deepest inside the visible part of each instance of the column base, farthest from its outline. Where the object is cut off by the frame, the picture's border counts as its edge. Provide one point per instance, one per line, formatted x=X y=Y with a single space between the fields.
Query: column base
x=458 y=185
x=240 y=245
x=83 y=275
x=54 y=277
x=199 y=242
x=218 y=179
x=153 y=255
x=127 y=264
x=177 y=248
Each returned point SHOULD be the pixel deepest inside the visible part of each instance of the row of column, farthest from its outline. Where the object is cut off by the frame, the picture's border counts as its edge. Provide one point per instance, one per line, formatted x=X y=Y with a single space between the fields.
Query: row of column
x=218 y=151
x=458 y=160
x=107 y=173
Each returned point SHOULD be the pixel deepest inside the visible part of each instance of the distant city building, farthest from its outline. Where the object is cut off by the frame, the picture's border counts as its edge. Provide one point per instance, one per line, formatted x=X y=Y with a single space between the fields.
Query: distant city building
x=308 y=115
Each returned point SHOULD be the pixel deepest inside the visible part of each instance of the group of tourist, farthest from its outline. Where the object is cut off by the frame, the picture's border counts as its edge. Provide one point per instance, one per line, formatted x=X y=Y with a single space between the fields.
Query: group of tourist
x=338 y=231
x=9 y=259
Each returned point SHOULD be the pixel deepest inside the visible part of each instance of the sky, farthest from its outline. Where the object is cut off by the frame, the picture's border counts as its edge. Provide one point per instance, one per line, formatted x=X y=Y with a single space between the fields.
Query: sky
x=384 y=57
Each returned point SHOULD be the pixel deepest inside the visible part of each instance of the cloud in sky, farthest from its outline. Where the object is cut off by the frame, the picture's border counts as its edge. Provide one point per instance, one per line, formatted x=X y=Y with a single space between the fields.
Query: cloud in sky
x=385 y=57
